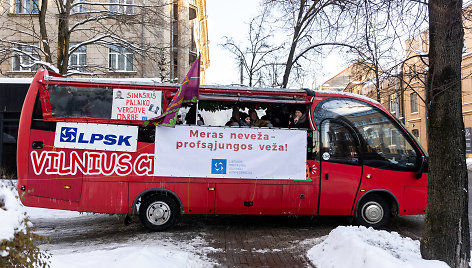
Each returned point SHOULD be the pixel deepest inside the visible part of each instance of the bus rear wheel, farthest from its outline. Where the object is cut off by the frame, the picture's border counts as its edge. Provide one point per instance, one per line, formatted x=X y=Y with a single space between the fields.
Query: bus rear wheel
x=373 y=211
x=158 y=212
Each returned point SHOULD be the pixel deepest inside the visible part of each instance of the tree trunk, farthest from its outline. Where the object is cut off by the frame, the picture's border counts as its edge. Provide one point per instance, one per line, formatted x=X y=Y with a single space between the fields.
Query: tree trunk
x=289 y=64
x=293 y=45
x=446 y=234
x=63 y=38
x=43 y=30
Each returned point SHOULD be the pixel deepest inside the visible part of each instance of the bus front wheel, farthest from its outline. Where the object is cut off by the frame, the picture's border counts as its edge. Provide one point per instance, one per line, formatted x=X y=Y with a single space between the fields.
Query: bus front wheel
x=158 y=212
x=373 y=211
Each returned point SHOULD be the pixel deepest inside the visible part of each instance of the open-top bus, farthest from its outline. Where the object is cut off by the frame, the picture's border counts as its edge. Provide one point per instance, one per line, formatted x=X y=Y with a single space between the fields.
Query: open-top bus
x=82 y=146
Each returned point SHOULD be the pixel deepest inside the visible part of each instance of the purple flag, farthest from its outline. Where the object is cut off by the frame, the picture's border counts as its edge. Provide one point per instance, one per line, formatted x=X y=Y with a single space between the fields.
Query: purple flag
x=188 y=92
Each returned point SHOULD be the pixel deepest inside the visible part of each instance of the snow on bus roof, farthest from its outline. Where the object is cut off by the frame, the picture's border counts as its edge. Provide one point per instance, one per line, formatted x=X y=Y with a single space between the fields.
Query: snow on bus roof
x=116 y=81
x=22 y=80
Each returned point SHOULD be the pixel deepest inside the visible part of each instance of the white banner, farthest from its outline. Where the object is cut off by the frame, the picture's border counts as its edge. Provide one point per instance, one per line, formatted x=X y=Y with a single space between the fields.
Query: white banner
x=96 y=137
x=225 y=152
x=136 y=104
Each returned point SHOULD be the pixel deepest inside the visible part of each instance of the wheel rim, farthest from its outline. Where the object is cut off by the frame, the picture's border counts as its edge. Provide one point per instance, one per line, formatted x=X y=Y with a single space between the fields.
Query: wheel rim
x=372 y=212
x=158 y=213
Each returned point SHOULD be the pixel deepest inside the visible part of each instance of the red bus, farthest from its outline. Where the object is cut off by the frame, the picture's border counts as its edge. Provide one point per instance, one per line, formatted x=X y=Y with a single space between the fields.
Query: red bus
x=82 y=146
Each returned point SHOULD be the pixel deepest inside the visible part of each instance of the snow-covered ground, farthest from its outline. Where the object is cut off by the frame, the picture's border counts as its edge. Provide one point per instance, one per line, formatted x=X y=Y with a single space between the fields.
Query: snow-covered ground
x=134 y=253
x=126 y=255
x=353 y=246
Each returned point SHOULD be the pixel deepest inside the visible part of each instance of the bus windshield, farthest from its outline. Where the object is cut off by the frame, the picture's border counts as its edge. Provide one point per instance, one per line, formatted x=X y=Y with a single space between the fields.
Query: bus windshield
x=383 y=143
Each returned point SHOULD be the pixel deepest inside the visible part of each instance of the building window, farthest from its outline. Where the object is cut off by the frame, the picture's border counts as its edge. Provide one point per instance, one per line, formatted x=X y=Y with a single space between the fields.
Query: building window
x=26 y=7
x=78 y=59
x=122 y=6
x=120 y=59
x=392 y=104
x=24 y=57
x=415 y=133
x=414 y=102
x=78 y=7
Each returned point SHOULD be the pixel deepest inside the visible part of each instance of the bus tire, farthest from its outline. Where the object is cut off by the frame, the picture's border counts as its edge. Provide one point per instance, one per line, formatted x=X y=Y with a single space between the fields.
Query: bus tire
x=158 y=212
x=373 y=211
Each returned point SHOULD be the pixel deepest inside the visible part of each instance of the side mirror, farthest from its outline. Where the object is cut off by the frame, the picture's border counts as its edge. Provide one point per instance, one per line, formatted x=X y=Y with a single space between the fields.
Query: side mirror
x=421 y=170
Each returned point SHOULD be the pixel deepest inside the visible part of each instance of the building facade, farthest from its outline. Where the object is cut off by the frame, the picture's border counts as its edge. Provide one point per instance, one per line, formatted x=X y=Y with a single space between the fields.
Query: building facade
x=108 y=38
x=105 y=38
x=403 y=93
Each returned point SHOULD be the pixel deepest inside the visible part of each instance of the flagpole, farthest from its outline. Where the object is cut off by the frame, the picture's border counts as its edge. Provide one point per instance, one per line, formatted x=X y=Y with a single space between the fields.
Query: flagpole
x=196 y=110
x=196 y=114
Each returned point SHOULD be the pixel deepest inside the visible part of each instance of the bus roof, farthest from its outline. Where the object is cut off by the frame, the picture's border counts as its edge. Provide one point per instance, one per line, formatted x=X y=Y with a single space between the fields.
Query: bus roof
x=150 y=82
x=216 y=91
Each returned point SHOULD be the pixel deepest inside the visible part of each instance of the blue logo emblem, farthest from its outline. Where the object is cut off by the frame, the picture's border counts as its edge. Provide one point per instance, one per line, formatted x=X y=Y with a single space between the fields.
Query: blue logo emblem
x=68 y=134
x=218 y=166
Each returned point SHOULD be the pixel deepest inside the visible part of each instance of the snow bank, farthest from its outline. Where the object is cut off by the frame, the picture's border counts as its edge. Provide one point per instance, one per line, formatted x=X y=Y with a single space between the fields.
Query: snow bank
x=47 y=213
x=362 y=247
x=469 y=163
x=11 y=215
x=129 y=256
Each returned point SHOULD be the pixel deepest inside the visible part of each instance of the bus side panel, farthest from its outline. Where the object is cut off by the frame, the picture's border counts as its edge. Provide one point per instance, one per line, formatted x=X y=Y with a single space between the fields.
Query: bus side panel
x=64 y=187
x=339 y=183
x=395 y=182
x=196 y=198
x=22 y=153
x=300 y=199
x=46 y=202
x=104 y=197
x=244 y=198
x=415 y=198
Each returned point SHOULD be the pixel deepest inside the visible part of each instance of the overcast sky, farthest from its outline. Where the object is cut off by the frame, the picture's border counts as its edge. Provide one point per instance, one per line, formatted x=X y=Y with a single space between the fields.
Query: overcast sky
x=231 y=18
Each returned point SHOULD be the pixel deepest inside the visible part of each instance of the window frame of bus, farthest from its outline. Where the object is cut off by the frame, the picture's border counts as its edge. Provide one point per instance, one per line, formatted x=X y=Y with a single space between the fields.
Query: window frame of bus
x=45 y=100
x=406 y=134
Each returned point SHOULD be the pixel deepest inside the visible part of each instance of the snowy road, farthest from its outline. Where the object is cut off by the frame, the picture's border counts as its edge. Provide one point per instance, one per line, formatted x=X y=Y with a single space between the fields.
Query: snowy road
x=226 y=240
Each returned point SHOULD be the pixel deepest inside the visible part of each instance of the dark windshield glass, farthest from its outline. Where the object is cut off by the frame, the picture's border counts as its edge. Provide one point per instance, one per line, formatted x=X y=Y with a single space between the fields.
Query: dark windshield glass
x=384 y=144
x=67 y=101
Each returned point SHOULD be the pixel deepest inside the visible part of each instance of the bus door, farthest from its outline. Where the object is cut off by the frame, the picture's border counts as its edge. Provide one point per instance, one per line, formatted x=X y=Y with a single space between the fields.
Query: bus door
x=341 y=170
x=46 y=167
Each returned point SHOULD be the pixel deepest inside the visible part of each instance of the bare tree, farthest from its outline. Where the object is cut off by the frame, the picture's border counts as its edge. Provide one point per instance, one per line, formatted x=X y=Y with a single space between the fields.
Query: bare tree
x=136 y=28
x=258 y=54
x=307 y=22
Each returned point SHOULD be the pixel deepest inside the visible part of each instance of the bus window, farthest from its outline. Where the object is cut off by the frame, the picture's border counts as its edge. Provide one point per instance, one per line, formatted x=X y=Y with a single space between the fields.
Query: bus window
x=338 y=143
x=85 y=102
x=273 y=115
x=313 y=145
x=384 y=144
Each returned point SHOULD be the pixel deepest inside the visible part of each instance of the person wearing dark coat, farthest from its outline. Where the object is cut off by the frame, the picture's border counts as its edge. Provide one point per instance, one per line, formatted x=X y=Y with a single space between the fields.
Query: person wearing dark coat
x=299 y=120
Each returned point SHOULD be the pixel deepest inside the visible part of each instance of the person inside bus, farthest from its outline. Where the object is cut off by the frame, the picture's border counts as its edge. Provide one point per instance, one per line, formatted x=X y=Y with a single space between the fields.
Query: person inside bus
x=179 y=121
x=246 y=120
x=200 y=121
x=256 y=122
x=272 y=116
x=191 y=118
x=299 y=120
x=235 y=120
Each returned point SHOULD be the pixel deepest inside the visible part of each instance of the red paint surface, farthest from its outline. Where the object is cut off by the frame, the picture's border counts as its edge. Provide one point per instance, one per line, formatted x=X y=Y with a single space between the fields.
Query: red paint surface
x=338 y=191
x=116 y=194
